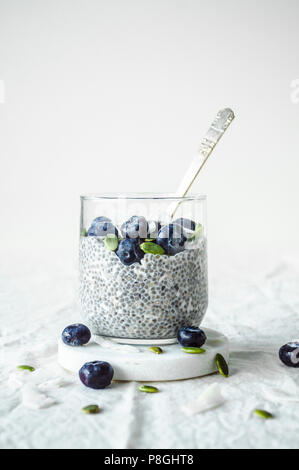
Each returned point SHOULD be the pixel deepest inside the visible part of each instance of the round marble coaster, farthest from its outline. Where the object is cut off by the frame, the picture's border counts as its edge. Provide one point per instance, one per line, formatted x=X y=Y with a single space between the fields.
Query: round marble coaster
x=139 y=363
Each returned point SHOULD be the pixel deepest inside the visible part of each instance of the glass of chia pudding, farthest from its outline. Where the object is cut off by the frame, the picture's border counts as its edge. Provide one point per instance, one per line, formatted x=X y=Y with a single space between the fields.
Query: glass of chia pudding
x=142 y=265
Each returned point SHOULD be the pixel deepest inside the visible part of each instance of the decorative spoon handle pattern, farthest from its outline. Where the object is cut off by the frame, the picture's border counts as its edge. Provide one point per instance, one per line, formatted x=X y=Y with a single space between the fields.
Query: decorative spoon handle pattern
x=218 y=127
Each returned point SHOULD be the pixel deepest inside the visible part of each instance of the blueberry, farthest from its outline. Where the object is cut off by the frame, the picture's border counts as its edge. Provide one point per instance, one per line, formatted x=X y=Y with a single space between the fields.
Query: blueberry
x=129 y=251
x=135 y=227
x=100 y=227
x=188 y=336
x=171 y=238
x=185 y=223
x=289 y=354
x=96 y=374
x=76 y=335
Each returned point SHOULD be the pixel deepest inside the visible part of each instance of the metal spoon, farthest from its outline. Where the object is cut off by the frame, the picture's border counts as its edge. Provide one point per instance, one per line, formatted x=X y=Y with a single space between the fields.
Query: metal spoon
x=218 y=127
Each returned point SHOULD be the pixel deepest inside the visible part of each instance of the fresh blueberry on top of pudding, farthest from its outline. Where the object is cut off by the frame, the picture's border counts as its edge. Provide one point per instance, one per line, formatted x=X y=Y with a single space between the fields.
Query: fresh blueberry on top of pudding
x=189 y=336
x=76 y=335
x=96 y=374
x=100 y=227
x=135 y=227
x=289 y=354
x=185 y=223
x=171 y=238
x=129 y=251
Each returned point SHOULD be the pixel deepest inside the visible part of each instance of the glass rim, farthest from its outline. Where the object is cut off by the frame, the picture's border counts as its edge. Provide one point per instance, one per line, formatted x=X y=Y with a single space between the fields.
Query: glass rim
x=142 y=196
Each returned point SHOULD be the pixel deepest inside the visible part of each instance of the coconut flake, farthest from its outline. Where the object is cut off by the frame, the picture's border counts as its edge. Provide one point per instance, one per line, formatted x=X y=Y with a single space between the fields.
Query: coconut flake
x=53 y=384
x=32 y=398
x=210 y=398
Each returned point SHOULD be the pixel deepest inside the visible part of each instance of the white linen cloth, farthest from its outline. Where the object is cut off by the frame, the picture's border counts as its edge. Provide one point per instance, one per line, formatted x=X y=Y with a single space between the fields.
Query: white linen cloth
x=258 y=311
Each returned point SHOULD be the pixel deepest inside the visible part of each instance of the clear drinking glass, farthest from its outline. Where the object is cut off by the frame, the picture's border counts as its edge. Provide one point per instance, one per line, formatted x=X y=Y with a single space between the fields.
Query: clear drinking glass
x=142 y=278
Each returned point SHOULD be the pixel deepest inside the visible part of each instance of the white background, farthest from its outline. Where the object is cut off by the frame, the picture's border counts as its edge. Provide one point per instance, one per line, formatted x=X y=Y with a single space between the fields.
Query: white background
x=116 y=96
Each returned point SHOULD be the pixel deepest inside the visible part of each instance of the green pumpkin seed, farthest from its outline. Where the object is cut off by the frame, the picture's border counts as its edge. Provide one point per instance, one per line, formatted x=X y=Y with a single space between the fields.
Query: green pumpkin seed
x=194 y=350
x=83 y=232
x=222 y=365
x=156 y=349
x=91 y=409
x=263 y=414
x=111 y=241
x=150 y=239
x=26 y=368
x=152 y=248
x=147 y=389
x=197 y=232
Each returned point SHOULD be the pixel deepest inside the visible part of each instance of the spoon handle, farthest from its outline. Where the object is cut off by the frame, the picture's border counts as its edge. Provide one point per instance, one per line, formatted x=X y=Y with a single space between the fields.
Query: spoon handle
x=218 y=127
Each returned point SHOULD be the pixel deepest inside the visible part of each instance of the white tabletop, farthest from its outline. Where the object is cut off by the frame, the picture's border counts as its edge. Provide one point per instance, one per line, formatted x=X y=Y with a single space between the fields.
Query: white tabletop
x=258 y=311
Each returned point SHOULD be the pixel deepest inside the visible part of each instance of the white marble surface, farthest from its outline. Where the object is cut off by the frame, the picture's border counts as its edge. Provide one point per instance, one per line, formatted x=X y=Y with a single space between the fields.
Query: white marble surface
x=140 y=364
x=257 y=308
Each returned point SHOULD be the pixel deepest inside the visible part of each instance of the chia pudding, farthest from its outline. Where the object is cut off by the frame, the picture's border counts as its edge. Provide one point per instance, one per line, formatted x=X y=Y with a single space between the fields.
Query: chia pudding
x=142 y=288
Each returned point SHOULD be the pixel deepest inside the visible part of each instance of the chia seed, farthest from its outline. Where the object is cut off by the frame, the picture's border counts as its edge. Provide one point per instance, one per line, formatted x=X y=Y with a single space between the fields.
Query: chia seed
x=150 y=300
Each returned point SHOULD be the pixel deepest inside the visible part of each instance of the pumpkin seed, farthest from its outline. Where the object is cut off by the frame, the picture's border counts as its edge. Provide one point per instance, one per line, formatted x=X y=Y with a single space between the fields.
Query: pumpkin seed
x=194 y=350
x=152 y=248
x=147 y=389
x=111 y=241
x=26 y=368
x=263 y=414
x=222 y=365
x=197 y=232
x=83 y=232
x=91 y=409
x=156 y=349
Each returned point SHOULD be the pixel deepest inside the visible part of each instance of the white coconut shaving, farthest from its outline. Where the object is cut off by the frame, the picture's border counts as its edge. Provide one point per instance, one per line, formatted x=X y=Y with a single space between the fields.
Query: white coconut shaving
x=32 y=398
x=210 y=398
x=53 y=384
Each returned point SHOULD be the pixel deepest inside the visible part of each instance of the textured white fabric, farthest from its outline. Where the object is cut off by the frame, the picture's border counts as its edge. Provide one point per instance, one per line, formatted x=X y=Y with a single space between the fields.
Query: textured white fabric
x=258 y=311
